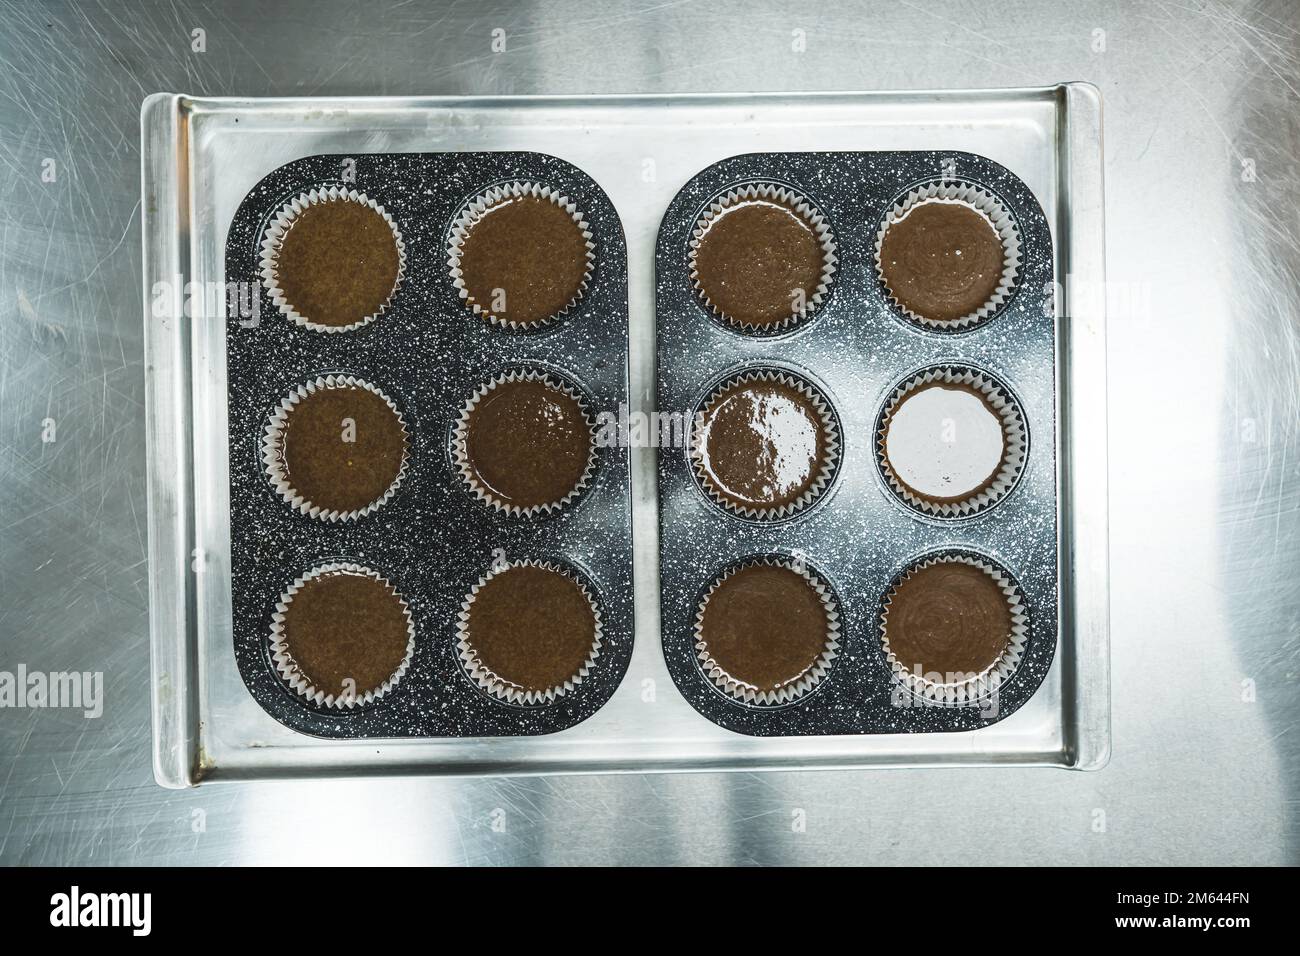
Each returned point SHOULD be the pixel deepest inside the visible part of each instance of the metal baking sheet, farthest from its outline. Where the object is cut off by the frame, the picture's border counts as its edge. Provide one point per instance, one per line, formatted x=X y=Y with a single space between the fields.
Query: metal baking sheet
x=200 y=158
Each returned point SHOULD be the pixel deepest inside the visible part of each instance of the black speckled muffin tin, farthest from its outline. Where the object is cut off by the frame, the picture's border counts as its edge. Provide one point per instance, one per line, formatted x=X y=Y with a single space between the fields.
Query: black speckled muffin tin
x=433 y=540
x=857 y=347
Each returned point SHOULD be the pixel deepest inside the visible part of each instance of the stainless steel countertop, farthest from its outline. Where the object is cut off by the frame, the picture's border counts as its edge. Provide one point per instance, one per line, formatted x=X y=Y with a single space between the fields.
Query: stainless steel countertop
x=1203 y=188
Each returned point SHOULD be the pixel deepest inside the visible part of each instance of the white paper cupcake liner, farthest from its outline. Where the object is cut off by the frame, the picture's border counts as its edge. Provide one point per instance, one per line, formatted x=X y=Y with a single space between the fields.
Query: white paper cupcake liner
x=998 y=216
x=288 y=668
x=1014 y=435
x=825 y=474
x=816 y=221
x=992 y=678
x=747 y=693
x=274 y=237
x=475 y=210
x=499 y=687
x=460 y=450
x=274 y=432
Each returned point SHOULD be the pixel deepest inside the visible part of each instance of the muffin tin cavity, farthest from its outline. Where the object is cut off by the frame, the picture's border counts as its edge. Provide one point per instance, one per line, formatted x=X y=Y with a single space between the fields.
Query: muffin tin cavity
x=996 y=358
x=525 y=442
x=331 y=259
x=767 y=631
x=762 y=258
x=947 y=255
x=425 y=354
x=336 y=448
x=530 y=632
x=521 y=254
x=951 y=441
x=764 y=444
x=953 y=627
x=341 y=636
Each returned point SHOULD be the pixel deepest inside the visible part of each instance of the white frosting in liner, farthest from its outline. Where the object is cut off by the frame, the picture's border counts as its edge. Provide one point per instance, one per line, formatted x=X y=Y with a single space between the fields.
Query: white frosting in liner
x=1014 y=434
x=944 y=442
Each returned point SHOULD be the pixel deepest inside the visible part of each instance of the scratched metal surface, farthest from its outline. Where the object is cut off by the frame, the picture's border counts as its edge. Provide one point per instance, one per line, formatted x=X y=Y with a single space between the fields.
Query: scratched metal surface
x=1203 y=188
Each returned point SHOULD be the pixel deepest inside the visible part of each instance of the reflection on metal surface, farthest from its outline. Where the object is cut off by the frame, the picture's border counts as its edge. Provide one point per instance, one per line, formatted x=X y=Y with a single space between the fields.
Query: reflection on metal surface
x=1204 y=269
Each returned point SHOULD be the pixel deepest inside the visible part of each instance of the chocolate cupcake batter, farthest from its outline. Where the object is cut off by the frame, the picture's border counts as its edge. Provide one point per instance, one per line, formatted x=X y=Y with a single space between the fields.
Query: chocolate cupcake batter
x=345 y=625
x=942 y=260
x=532 y=627
x=338 y=263
x=528 y=443
x=524 y=260
x=761 y=444
x=957 y=453
x=949 y=619
x=758 y=261
x=765 y=626
x=326 y=469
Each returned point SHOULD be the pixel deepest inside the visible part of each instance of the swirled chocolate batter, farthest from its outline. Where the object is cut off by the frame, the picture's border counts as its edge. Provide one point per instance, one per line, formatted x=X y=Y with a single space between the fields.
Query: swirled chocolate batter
x=346 y=625
x=532 y=627
x=759 y=262
x=760 y=444
x=524 y=260
x=528 y=443
x=942 y=260
x=338 y=263
x=342 y=448
x=945 y=442
x=765 y=627
x=949 y=618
